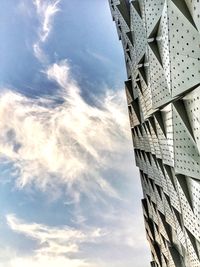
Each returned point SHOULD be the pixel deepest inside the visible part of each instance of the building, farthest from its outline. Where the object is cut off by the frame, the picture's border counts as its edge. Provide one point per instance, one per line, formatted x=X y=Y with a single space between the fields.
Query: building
x=161 y=42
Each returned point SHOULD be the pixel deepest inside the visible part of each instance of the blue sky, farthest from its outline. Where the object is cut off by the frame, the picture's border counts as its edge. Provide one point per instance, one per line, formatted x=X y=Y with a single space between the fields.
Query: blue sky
x=70 y=193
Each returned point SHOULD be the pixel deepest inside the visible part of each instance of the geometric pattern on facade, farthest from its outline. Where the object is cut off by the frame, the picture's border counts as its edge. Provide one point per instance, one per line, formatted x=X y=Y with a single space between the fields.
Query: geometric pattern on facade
x=161 y=42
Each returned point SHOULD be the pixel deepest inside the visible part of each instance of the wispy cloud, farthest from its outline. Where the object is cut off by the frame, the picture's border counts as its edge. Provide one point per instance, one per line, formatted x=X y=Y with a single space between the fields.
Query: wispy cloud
x=39 y=53
x=68 y=144
x=46 y=10
x=57 y=246
x=98 y=56
x=53 y=241
x=68 y=246
x=44 y=261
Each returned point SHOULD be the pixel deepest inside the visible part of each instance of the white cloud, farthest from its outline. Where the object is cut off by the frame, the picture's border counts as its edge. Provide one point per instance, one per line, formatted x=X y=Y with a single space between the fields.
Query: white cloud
x=39 y=53
x=65 y=246
x=126 y=230
x=68 y=144
x=55 y=245
x=98 y=56
x=46 y=10
x=44 y=261
x=53 y=241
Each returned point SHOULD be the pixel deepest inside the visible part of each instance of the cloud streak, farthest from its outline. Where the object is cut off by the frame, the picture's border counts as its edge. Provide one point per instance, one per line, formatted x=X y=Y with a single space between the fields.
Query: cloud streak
x=55 y=245
x=68 y=246
x=46 y=10
x=44 y=261
x=69 y=143
x=53 y=241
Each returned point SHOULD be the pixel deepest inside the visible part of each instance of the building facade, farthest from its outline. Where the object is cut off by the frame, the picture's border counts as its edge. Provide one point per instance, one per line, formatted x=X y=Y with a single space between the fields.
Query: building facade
x=161 y=42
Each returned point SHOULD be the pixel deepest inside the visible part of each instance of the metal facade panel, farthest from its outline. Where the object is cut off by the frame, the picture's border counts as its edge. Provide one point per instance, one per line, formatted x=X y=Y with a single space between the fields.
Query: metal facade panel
x=186 y=152
x=162 y=39
x=139 y=33
x=194 y=7
x=153 y=11
x=161 y=44
x=159 y=86
x=168 y=154
x=184 y=52
x=192 y=106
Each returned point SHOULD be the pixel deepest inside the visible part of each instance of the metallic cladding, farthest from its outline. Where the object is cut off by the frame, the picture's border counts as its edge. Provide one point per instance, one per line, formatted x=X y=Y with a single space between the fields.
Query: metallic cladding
x=161 y=42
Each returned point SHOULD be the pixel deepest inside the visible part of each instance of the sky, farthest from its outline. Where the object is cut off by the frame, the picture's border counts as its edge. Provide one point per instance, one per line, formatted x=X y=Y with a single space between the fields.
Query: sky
x=70 y=193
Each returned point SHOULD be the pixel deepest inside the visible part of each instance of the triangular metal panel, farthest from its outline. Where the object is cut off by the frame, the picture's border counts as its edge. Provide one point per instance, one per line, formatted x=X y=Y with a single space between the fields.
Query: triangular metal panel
x=189 y=218
x=192 y=104
x=155 y=49
x=150 y=137
x=130 y=36
x=179 y=230
x=168 y=152
x=162 y=39
x=136 y=5
x=129 y=90
x=164 y=227
x=177 y=258
x=185 y=52
x=194 y=191
x=183 y=183
x=182 y=6
x=194 y=7
x=159 y=87
x=186 y=152
x=193 y=243
x=155 y=138
x=124 y=9
x=153 y=13
x=181 y=110
x=140 y=41
x=168 y=211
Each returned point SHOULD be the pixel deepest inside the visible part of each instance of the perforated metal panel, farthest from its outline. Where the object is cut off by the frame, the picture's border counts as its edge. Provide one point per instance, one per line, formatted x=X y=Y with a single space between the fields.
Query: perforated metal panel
x=179 y=229
x=162 y=38
x=192 y=106
x=192 y=254
x=194 y=7
x=194 y=192
x=185 y=51
x=186 y=152
x=153 y=9
x=138 y=28
x=172 y=190
x=161 y=41
x=189 y=218
x=159 y=85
